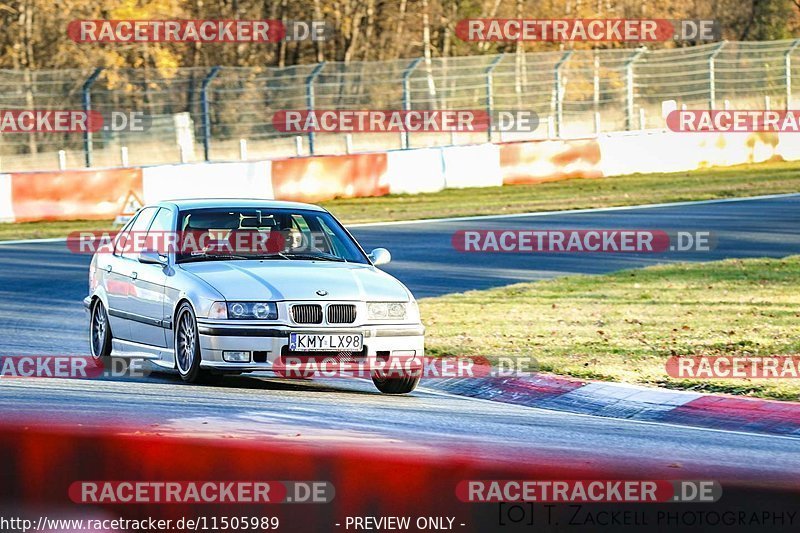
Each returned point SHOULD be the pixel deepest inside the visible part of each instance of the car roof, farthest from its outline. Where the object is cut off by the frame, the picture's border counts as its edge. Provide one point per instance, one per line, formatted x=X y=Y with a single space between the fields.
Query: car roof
x=211 y=203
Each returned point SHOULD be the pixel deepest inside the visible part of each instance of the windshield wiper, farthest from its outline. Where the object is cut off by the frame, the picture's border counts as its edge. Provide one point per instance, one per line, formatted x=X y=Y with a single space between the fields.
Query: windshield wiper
x=315 y=257
x=202 y=256
x=272 y=256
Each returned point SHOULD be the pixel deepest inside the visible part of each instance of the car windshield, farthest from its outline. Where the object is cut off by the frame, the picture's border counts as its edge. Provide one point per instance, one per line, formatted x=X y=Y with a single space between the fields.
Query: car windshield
x=268 y=233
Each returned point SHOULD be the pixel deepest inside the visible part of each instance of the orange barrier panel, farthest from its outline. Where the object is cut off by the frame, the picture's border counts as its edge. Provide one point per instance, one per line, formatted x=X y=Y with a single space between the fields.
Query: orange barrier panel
x=313 y=179
x=538 y=161
x=73 y=194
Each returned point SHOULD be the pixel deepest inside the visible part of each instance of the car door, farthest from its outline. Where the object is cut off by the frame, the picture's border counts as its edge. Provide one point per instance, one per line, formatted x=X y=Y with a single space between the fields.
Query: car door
x=148 y=321
x=116 y=285
x=122 y=276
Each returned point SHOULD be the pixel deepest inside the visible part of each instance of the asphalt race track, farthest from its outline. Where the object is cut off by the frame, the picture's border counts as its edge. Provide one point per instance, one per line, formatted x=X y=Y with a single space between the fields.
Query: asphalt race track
x=425 y=260
x=42 y=285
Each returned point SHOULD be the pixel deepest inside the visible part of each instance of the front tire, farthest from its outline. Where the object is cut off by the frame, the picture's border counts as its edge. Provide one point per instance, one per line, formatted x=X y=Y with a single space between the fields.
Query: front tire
x=99 y=333
x=187 y=349
x=395 y=385
x=187 y=344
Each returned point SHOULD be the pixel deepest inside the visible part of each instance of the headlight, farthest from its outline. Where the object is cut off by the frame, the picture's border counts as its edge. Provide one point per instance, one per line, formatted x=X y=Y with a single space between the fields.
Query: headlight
x=386 y=310
x=244 y=310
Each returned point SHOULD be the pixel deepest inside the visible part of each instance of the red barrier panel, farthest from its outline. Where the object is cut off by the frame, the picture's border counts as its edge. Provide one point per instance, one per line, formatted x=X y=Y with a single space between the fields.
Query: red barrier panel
x=41 y=465
x=538 y=161
x=313 y=179
x=42 y=469
x=73 y=194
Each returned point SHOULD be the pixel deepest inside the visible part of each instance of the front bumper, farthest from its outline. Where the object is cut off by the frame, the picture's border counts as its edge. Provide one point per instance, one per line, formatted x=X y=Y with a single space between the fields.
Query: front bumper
x=266 y=344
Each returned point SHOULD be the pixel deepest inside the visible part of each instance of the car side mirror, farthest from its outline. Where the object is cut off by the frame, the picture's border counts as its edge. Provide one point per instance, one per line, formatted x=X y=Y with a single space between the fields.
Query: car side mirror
x=380 y=256
x=152 y=257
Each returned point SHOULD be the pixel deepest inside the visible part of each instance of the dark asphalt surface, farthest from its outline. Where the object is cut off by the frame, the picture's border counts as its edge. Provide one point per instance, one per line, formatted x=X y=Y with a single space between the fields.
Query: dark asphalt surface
x=42 y=285
x=424 y=257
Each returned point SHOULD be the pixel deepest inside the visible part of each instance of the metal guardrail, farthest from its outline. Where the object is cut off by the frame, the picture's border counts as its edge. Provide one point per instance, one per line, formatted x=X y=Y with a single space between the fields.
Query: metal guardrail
x=229 y=109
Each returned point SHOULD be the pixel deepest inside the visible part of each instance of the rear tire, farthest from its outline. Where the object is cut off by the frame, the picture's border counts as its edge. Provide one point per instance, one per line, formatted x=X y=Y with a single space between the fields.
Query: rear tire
x=187 y=349
x=99 y=333
x=398 y=385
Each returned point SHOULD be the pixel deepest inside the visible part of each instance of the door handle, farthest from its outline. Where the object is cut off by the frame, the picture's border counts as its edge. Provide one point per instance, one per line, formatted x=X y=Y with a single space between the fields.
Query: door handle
x=134 y=275
x=108 y=268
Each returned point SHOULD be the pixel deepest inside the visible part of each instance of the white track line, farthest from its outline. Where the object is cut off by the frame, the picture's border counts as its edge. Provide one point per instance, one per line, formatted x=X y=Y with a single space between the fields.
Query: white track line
x=510 y=215
x=573 y=211
x=32 y=241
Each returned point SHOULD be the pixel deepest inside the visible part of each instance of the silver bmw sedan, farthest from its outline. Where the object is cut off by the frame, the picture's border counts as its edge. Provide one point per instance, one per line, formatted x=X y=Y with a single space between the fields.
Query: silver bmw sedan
x=213 y=287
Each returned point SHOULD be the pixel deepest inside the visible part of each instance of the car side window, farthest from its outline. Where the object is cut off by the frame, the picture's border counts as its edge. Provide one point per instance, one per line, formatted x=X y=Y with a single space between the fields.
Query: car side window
x=162 y=220
x=119 y=242
x=157 y=234
x=139 y=226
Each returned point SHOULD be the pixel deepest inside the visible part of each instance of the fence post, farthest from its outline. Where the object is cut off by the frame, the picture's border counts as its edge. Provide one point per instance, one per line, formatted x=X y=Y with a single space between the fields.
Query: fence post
x=629 y=87
x=310 y=101
x=87 y=107
x=490 y=93
x=596 y=83
x=407 y=96
x=206 y=117
x=557 y=88
x=787 y=66
x=712 y=79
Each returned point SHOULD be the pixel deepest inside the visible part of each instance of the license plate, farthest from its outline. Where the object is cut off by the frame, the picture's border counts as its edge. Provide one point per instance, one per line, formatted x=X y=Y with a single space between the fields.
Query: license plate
x=336 y=342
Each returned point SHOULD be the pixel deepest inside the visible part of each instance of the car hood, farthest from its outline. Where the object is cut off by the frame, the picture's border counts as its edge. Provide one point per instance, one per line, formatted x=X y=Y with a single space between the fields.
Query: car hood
x=274 y=280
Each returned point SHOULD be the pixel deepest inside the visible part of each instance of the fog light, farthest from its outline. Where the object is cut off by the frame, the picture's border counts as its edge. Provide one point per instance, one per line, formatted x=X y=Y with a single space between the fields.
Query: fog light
x=236 y=357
